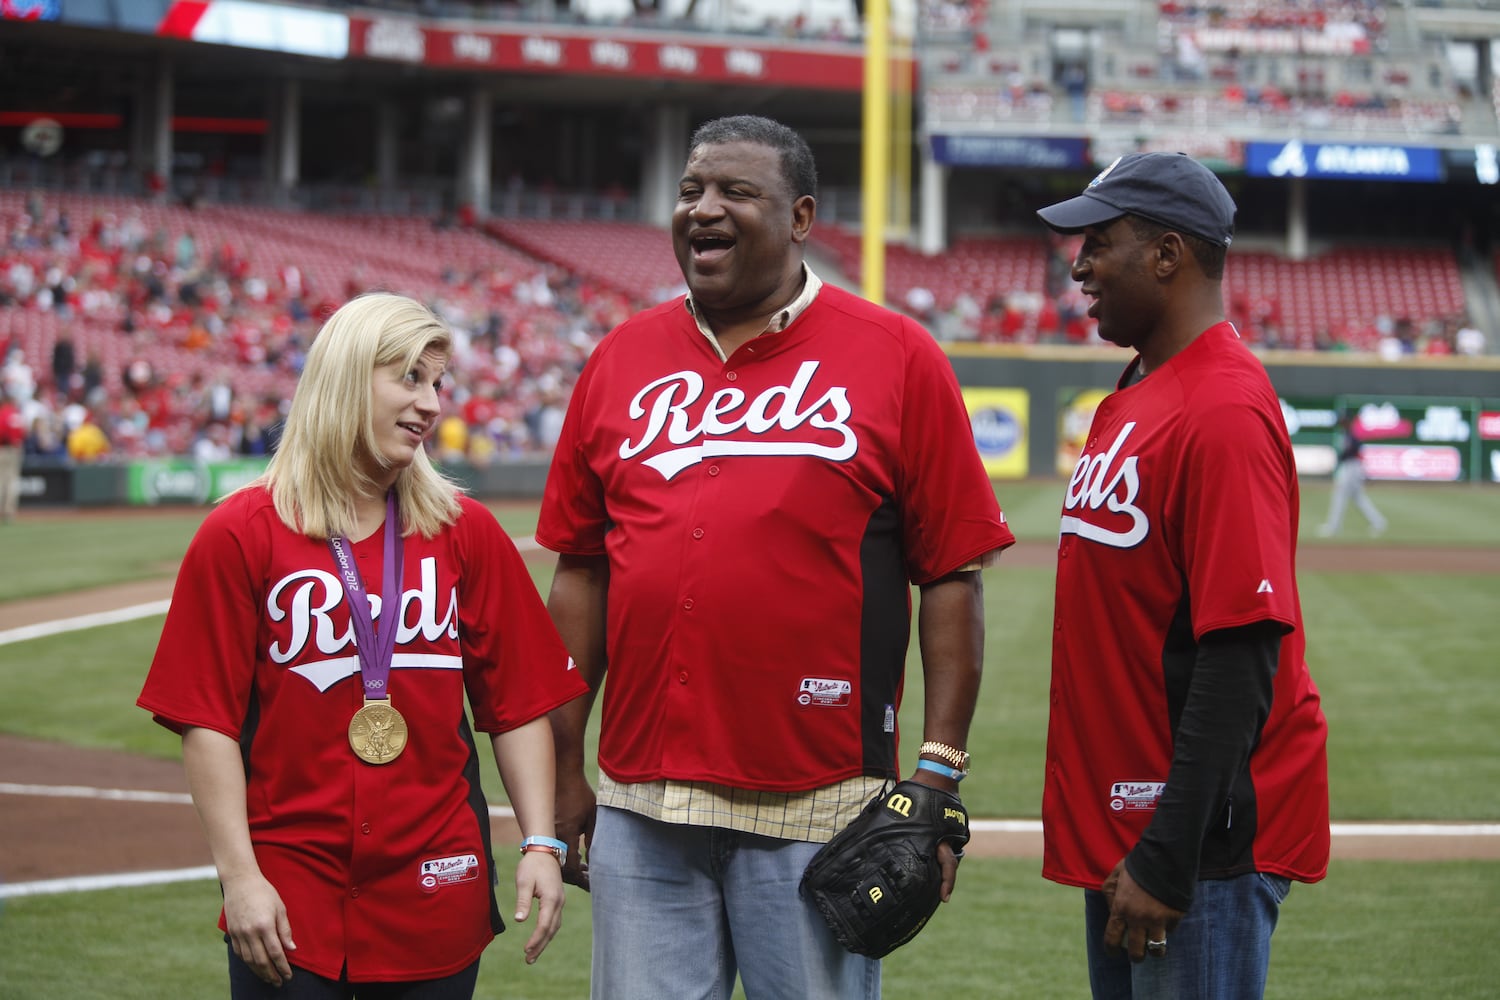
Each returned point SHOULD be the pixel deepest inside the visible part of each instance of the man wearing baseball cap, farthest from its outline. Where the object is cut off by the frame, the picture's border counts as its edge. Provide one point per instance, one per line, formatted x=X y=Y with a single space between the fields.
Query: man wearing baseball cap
x=1186 y=782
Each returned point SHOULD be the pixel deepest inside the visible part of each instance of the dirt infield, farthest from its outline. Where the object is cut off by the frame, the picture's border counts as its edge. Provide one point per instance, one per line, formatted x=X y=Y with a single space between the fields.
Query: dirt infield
x=74 y=812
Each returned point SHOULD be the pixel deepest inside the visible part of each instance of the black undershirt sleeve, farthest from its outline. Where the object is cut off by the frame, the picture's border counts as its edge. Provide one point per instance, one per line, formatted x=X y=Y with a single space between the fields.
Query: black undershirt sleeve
x=1228 y=701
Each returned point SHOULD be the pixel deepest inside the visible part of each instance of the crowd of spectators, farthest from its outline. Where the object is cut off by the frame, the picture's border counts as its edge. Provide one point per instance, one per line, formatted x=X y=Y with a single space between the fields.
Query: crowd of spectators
x=1057 y=313
x=207 y=342
x=126 y=334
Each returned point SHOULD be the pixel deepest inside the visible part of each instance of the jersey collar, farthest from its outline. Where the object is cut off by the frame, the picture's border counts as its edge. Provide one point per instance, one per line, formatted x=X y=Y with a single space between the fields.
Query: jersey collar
x=782 y=319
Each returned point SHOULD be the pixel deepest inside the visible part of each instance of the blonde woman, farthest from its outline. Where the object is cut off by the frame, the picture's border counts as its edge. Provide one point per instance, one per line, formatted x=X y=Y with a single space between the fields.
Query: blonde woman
x=329 y=622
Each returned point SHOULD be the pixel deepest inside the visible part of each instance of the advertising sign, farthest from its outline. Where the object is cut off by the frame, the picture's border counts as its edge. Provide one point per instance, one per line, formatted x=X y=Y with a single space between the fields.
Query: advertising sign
x=1010 y=151
x=1311 y=423
x=46 y=485
x=1000 y=420
x=573 y=52
x=1075 y=412
x=1478 y=164
x=30 y=10
x=271 y=27
x=1417 y=439
x=1488 y=426
x=182 y=480
x=1343 y=161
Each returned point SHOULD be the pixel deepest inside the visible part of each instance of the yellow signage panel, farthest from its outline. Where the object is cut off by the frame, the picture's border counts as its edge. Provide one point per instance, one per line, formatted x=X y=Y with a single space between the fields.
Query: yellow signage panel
x=1075 y=413
x=1000 y=419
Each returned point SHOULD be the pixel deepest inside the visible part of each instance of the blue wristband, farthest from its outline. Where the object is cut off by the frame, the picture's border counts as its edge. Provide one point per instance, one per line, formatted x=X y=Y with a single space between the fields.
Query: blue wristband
x=552 y=844
x=943 y=769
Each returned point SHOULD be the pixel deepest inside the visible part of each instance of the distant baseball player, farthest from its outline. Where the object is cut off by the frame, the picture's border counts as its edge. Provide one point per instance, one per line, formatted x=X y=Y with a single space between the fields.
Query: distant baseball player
x=330 y=622
x=12 y=448
x=749 y=480
x=1349 y=480
x=1186 y=780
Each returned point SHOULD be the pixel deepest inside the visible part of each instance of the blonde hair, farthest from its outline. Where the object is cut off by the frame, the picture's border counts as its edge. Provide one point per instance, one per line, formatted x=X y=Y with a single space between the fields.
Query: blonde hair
x=316 y=474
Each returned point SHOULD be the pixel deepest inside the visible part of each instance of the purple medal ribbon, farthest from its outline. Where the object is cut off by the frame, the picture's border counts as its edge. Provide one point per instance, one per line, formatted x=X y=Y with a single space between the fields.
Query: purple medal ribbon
x=375 y=653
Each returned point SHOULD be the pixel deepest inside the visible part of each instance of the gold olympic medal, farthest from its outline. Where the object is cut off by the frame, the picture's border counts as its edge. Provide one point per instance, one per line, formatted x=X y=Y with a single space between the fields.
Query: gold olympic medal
x=377 y=732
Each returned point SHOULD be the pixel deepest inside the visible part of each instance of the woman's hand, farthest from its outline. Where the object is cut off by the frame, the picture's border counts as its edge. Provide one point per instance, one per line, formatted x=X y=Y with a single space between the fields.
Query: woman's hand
x=258 y=928
x=539 y=877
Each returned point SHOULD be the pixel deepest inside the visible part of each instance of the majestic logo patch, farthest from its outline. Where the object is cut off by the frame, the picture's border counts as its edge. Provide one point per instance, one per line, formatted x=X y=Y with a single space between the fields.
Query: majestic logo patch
x=1135 y=796
x=822 y=425
x=1100 y=500
x=436 y=873
x=825 y=692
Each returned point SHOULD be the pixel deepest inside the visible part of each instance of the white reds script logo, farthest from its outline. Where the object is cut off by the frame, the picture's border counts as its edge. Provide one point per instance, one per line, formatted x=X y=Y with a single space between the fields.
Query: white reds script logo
x=1100 y=502
x=301 y=603
x=664 y=403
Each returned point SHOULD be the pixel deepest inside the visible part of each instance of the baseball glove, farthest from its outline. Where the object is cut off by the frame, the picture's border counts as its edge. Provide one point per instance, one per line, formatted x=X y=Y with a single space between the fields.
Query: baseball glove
x=878 y=881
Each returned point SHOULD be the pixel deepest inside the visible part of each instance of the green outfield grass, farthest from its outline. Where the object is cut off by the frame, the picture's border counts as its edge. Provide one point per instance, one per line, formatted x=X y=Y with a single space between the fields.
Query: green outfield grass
x=1406 y=663
x=1373 y=929
x=1405 y=660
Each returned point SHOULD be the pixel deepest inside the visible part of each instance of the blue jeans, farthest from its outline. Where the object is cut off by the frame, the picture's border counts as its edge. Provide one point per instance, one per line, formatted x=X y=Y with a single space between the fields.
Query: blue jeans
x=680 y=910
x=1220 y=951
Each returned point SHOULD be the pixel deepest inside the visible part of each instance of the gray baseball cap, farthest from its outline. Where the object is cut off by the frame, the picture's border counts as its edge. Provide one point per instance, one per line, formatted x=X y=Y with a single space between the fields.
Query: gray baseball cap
x=1172 y=189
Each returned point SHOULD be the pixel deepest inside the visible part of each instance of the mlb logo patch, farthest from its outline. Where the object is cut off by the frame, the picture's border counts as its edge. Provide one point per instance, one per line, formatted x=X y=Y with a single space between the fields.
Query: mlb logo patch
x=824 y=692
x=436 y=873
x=1134 y=796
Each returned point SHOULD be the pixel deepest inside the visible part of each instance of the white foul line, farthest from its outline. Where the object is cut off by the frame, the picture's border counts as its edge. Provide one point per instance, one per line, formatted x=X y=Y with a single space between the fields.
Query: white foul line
x=62 y=625
x=90 y=883
x=527 y=544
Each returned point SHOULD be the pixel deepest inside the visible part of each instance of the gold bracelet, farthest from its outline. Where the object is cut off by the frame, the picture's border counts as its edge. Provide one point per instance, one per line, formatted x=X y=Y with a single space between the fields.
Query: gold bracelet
x=958 y=758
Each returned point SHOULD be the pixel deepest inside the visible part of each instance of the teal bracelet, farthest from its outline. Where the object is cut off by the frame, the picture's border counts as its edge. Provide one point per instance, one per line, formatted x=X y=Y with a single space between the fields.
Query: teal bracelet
x=552 y=845
x=948 y=772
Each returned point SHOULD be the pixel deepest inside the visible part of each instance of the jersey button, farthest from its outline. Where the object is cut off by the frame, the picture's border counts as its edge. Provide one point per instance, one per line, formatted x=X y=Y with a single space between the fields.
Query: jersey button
x=713 y=470
x=364 y=828
x=697 y=532
x=353 y=893
x=682 y=677
x=731 y=376
x=687 y=605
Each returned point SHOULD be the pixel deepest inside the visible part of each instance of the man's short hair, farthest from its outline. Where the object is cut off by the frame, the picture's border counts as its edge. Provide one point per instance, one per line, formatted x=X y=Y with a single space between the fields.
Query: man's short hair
x=797 y=166
x=1210 y=256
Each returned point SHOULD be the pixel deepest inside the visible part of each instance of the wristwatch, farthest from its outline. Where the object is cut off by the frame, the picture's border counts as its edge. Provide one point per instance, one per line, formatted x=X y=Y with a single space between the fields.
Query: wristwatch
x=958 y=759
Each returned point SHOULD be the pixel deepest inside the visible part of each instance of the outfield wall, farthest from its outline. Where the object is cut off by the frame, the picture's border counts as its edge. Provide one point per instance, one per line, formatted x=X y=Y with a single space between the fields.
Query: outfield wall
x=1432 y=418
x=1438 y=419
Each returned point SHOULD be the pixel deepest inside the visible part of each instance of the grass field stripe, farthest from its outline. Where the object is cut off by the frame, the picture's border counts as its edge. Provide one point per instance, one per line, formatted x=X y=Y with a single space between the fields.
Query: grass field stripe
x=129 y=795
x=83 y=621
x=1414 y=828
x=91 y=883
x=119 y=615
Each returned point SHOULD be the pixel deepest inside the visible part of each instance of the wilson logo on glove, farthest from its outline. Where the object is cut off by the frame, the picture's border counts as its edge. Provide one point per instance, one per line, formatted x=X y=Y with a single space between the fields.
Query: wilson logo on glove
x=879 y=881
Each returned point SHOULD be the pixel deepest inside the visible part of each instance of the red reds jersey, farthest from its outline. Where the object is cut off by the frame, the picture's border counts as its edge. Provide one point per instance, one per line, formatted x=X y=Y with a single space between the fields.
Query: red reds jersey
x=1180 y=519
x=765 y=518
x=385 y=866
x=12 y=424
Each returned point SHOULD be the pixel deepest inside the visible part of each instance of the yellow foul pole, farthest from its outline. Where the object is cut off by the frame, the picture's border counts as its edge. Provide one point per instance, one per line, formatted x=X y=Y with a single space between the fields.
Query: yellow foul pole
x=901 y=118
x=875 y=149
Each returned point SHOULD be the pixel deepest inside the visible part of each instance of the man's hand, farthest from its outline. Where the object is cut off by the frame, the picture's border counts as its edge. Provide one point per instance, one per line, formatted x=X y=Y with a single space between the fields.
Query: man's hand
x=576 y=807
x=1136 y=918
x=947 y=857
